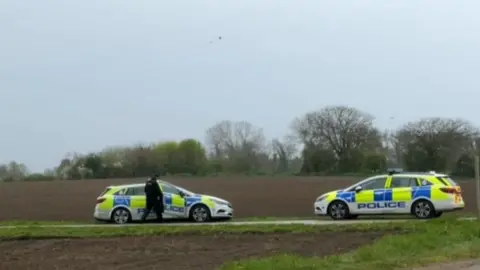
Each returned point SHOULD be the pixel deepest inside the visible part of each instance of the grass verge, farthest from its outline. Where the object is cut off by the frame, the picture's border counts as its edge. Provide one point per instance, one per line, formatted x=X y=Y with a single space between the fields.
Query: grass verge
x=38 y=223
x=37 y=232
x=273 y=218
x=431 y=242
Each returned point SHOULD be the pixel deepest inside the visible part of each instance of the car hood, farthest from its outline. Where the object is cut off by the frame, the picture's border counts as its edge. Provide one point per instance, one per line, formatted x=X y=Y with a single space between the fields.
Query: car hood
x=334 y=191
x=212 y=197
x=328 y=193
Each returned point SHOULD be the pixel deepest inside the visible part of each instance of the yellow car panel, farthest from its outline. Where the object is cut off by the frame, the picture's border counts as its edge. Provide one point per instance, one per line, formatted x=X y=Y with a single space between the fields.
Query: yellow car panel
x=366 y=196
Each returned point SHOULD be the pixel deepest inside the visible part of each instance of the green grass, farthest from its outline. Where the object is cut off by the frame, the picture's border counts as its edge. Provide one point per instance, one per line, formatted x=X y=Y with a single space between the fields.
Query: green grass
x=35 y=231
x=273 y=218
x=40 y=222
x=371 y=217
x=436 y=241
x=36 y=223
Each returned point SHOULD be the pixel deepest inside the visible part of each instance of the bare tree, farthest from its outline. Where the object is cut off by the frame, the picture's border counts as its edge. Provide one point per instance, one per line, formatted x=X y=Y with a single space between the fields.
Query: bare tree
x=236 y=141
x=283 y=152
x=3 y=172
x=348 y=132
x=13 y=171
x=226 y=137
x=391 y=149
x=114 y=156
x=435 y=143
x=339 y=128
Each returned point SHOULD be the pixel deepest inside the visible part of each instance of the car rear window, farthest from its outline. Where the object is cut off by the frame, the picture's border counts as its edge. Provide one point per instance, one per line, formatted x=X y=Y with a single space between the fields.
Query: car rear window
x=105 y=191
x=447 y=181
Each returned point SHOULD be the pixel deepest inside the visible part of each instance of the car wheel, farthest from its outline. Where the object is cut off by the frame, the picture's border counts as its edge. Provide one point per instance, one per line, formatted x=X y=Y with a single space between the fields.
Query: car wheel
x=121 y=216
x=423 y=209
x=338 y=210
x=438 y=214
x=352 y=217
x=200 y=213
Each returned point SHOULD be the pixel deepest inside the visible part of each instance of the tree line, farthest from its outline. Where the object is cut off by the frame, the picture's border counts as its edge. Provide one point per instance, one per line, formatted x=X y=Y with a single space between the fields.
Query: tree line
x=331 y=140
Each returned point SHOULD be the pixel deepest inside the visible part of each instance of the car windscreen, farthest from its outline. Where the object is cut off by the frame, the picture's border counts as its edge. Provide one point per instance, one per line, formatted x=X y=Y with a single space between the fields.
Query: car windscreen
x=105 y=191
x=187 y=192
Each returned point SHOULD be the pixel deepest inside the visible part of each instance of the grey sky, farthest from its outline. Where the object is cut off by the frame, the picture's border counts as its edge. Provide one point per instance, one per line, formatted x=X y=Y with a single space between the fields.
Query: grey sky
x=82 y=75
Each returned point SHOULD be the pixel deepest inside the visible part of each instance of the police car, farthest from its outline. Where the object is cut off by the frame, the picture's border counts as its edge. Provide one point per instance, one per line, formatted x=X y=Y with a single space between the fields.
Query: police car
x=424 y=195
x=125 y=203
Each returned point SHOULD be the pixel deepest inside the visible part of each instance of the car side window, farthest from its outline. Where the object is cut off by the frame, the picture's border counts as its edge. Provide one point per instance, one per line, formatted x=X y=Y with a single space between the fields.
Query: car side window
x=121 y=192
x=424 y=182
x=169 y=189
x=376 y=183
x=136 y=191
x=403 y=181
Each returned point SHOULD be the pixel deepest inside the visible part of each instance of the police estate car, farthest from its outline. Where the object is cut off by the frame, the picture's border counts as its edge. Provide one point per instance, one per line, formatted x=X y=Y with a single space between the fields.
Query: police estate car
x=424 y=195
x=126 y=203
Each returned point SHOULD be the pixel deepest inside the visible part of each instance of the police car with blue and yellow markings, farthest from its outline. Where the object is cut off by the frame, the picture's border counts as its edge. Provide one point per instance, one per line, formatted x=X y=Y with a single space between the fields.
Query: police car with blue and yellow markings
x=424 y=195
x=125 y=203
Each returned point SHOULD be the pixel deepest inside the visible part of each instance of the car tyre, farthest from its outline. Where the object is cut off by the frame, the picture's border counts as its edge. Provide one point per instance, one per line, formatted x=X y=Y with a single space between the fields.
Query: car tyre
x=200 y=213
x=423 y=209
x=121 y=216
x=352 y=217
x=438 y=214
x=338 y=210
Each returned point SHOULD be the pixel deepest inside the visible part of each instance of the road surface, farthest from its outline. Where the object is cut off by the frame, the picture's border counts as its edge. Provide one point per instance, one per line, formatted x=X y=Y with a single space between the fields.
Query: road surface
x=232 y=223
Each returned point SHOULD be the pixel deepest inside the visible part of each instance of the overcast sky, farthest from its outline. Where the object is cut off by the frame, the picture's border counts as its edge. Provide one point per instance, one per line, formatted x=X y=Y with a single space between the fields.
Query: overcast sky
x=83 y=75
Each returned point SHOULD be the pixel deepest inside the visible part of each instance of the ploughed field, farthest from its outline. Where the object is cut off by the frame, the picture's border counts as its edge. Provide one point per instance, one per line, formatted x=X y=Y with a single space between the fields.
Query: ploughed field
x=250 y=196
x=172 y=252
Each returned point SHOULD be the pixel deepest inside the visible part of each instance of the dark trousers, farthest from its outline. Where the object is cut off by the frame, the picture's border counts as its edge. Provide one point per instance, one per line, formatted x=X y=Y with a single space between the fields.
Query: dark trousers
x=153 y=204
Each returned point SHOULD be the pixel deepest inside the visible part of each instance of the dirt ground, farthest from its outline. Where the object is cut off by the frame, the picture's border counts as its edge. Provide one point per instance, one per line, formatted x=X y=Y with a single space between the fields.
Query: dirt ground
x=171 y=252
x=250 y=196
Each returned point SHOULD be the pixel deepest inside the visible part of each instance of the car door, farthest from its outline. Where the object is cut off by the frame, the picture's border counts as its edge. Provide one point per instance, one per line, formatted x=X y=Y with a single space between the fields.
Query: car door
x=370 y=199
x=400 y=187
x=174 y=203
x=138 y=202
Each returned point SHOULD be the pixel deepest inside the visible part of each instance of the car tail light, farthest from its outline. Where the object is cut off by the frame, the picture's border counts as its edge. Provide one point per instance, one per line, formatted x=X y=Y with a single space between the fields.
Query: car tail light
x=452 y=190
x=100 y=200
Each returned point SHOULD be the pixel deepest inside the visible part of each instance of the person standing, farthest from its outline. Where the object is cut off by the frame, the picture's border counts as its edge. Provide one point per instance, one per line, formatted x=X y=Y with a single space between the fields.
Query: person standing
x=154 y=199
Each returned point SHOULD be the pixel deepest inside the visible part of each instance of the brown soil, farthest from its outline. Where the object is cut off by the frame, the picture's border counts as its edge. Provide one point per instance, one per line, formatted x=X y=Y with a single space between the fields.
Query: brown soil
x=250 y=196
x=171 y=252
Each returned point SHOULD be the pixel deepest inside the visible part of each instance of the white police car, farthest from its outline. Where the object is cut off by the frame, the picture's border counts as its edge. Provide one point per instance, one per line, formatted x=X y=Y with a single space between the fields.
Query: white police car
x=125 y=203
x=424 y=195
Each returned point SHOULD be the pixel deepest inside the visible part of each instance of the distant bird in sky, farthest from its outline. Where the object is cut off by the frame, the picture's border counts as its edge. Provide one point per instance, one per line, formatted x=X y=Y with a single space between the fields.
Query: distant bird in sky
x=219 y=38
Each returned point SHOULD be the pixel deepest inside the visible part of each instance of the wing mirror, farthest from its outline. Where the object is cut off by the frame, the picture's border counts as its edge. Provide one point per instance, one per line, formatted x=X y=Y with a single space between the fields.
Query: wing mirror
x=358 y=189
x=181 y=193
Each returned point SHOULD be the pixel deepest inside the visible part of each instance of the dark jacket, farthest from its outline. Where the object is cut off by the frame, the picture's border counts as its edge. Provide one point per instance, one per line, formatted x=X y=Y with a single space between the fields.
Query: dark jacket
x=152 y=190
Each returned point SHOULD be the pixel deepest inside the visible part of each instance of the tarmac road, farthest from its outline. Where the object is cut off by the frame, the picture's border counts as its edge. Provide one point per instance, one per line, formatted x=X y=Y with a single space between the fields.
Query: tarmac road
x=233 y=223
x=230 y=223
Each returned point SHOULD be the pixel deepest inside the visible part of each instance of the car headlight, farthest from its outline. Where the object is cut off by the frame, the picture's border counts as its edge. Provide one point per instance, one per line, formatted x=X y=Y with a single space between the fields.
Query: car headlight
x=321 y=198
x=221 y=202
